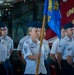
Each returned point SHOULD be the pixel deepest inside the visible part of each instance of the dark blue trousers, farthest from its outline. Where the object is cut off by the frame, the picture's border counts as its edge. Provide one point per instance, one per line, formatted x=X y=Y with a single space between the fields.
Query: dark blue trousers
x=66 y=68
x=46 y=63
x=55 y=64
x=3 y=69
x=9 y=67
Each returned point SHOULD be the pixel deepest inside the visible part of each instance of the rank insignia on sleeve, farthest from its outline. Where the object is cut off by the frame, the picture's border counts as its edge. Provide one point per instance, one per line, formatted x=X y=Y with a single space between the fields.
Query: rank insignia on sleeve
x=25 y=49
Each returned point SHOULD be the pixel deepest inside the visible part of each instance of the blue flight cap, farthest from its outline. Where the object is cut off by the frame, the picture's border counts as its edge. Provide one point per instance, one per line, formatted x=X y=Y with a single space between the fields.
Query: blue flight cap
x=3 y=25
x=68 y=25
x=39 y=25
x=32 y=24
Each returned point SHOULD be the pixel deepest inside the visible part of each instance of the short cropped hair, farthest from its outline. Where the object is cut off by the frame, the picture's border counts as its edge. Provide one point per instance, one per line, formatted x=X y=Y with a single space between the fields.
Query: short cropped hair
x=30 y=29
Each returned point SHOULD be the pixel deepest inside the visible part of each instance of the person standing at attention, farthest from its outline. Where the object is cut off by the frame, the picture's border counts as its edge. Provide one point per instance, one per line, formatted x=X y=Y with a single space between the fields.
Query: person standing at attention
x=31 y=52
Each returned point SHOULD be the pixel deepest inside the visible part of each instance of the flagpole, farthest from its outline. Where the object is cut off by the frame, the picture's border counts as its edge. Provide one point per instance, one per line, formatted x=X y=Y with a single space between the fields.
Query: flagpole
x=41 y=39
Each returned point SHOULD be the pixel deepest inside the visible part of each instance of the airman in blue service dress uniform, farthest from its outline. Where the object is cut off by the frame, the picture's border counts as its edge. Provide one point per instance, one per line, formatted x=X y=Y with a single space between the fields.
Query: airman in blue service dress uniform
x=3 y=55
x=31 y=53
x=9 y=44
x=63 y=46
x=70 y=57
x=70 y=54
x=20 y=47
x=53 y=52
